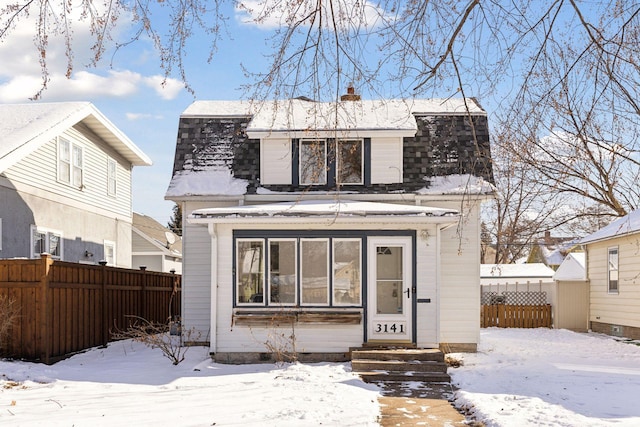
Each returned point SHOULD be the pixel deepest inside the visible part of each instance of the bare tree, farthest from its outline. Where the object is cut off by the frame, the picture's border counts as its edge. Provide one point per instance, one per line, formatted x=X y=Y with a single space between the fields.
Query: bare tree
x=566 y=69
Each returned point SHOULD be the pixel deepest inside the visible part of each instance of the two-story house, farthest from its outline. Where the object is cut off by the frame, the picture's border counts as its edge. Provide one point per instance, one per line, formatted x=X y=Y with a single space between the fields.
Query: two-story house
x=65 y=183
x=336 y=224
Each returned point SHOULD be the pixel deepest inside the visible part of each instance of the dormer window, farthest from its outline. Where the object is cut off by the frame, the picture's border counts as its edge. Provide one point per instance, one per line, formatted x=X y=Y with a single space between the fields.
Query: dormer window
x=313 y=162
x=330 y=162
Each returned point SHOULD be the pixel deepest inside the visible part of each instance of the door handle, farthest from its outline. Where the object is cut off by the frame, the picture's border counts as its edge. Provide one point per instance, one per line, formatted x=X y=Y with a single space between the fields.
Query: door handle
x=408 y=292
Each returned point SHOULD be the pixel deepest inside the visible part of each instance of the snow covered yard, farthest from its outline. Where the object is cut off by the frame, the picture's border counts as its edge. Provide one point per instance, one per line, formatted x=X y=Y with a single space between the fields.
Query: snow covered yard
x=518 y=378
x=535 y=377
x=130 y=384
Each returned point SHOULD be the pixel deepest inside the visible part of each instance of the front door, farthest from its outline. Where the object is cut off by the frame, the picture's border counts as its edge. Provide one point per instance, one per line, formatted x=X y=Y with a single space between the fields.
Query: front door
x=390 y=296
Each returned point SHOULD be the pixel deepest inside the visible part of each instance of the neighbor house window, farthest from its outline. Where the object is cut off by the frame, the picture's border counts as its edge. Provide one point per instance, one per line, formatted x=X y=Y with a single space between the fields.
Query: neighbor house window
x=110 y=252
x=112 y=171
x=313 y=162
x=46 y=241
x=70 y=163
x=612 y=268
x=301 y=271
x=349 y=162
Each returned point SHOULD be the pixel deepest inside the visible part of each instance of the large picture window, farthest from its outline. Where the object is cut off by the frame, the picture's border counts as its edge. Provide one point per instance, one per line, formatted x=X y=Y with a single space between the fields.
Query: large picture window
x=612 y=267
x=302 y=271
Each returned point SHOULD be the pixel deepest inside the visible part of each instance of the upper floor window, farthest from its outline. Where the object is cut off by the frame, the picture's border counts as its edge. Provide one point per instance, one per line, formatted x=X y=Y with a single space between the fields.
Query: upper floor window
x=349 y=165
x=70 y=163
x=612 y=270
x=46 y=241
x=112 y=181
x=322 y=162
x=313 y=162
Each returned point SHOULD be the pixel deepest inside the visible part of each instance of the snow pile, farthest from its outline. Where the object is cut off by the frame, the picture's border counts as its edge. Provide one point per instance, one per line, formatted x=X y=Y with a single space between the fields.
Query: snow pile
x=456 y=184
x=533 y=377
x=206 y=183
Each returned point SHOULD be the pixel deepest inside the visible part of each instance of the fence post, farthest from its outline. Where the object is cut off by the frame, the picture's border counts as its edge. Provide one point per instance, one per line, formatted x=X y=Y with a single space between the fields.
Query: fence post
x=142 y=307
x=104 y=330
x=45 y=309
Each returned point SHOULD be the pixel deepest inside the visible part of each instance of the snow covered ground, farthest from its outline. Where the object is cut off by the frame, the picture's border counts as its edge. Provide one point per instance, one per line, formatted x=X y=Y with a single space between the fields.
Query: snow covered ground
x=546 y=377
x=518 y=378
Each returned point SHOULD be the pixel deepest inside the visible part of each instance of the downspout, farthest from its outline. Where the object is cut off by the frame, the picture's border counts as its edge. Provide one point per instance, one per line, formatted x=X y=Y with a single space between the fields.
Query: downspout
x=214 y=288
x=438 y=284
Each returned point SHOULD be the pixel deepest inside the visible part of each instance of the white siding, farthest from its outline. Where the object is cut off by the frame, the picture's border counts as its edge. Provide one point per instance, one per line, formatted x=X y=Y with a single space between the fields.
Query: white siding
x=622 y=308
x=386 y=160
x=427 y=288
x=459 y=305
x=275 y=161
x=39 y=170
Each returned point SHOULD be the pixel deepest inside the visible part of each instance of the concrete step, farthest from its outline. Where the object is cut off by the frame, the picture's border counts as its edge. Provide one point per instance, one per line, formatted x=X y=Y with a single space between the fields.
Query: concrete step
x=361 y=365
x=385 y=376
x=427 y=354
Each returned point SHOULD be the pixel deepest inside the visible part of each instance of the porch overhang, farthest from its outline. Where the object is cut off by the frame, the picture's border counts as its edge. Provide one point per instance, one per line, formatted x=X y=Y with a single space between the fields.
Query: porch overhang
x=325 y=212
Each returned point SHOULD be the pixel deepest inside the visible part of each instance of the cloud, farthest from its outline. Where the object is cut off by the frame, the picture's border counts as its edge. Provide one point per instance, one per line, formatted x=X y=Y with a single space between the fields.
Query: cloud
x=271 y=14
x=21 y=75
x=142 y=116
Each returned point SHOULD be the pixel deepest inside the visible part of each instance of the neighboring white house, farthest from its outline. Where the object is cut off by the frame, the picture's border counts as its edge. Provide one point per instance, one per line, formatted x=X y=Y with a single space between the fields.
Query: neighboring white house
x=613 y=272
x=65 y=183
x=155 y=247
x=339 y=224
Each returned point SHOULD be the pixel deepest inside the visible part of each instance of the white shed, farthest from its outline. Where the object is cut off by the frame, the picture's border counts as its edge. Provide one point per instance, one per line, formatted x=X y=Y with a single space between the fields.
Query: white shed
x=572 y=294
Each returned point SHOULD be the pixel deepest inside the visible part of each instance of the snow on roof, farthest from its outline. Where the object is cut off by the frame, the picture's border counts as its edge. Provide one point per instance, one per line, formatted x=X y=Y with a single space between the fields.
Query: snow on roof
x=532 y=271
x=628 y=224
x=304 y=115
x=457 y=184
x=25 y=127
x=572 y=268
x=323 y=208
x=206 y=182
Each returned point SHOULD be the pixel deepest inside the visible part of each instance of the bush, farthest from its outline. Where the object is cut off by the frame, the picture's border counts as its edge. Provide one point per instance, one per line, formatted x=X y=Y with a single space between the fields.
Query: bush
x=9 y=312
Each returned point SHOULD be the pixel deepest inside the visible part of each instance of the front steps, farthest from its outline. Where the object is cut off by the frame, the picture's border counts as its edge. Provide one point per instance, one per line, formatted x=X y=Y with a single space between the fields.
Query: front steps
x=422 y=365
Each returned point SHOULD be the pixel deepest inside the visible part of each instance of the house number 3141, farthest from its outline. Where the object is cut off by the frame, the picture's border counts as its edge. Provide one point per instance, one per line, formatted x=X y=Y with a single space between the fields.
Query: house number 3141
x=389 y=328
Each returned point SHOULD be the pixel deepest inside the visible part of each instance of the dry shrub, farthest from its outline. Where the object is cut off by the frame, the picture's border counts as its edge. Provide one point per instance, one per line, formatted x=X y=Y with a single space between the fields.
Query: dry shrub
x=9 y=312
x=156 y=335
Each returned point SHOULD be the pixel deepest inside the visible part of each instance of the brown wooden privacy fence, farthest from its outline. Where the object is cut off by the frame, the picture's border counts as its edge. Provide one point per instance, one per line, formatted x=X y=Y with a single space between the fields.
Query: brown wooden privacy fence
x=67 y=307
x=516 y=316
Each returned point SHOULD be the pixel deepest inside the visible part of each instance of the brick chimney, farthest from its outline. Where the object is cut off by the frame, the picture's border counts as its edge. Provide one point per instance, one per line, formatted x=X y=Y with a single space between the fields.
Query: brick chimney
x=350 y=95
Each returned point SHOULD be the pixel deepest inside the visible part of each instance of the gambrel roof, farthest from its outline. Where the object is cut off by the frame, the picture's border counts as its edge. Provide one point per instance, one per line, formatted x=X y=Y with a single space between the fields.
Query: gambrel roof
x=26 y=127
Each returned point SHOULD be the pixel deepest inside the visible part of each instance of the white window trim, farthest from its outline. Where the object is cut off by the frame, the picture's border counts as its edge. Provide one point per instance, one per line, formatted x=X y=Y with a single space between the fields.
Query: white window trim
x=47 y=232
x=72 y=145
x=609 y=270
x=361 y=141
x=105 y=245
x=112 y=177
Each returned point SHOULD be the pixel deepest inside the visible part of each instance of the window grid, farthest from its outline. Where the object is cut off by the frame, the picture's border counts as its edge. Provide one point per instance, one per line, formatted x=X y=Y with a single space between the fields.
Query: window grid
x=70 y=163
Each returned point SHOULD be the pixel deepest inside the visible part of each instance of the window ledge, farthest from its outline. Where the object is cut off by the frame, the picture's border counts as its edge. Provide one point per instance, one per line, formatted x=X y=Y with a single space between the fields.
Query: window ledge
x=279 y=317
